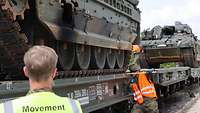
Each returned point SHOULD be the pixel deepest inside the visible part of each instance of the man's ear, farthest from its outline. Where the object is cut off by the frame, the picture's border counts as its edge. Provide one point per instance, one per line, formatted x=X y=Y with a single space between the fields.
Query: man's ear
x=25 y=71
x=54 y=73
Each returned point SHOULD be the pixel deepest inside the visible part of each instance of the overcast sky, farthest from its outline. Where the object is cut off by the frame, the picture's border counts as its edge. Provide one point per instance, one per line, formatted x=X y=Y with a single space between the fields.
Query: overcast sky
x=166 y=12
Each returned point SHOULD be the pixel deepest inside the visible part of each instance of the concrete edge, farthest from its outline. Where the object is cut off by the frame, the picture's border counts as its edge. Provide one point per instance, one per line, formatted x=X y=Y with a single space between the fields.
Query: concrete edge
x=189 y=104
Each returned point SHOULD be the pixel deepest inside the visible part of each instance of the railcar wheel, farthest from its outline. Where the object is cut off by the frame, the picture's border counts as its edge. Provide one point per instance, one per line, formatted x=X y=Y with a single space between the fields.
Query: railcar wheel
x=110 y=59
x=83 y=54
x=98 y=58
x=66 y=54
x=120 y=58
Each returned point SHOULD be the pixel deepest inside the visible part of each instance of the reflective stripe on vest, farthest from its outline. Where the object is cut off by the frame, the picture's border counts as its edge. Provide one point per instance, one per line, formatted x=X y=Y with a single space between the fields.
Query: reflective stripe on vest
x=74 y=106
x=148 y=87
x=137 y=94
x=148 y=92
x=138 y=97
x=8 y=106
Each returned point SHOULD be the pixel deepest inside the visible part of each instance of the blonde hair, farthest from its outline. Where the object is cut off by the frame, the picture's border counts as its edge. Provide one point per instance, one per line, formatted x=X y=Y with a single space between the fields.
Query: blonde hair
x=40 y=62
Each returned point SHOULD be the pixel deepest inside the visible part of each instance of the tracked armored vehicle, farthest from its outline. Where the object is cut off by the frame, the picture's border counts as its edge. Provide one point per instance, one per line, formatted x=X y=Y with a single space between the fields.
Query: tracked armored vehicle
x=93 y=39
x=90 y=36
x=170 y=44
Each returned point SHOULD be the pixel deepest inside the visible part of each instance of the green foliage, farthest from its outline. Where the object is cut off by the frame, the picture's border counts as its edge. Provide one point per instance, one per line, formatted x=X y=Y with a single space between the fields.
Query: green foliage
x=168 y=65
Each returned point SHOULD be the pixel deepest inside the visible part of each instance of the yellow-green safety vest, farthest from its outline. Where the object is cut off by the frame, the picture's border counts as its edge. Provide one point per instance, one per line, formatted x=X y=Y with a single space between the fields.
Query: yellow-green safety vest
x=41 y=102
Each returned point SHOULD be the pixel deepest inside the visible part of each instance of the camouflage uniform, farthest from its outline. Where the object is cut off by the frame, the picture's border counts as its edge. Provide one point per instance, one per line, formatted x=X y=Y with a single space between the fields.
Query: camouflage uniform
x=149 y=106
x=134 y=62
x=39 y=90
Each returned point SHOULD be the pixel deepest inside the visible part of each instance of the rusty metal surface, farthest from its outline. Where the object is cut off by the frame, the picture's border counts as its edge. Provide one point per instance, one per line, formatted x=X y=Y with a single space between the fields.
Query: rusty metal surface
x=163 y=55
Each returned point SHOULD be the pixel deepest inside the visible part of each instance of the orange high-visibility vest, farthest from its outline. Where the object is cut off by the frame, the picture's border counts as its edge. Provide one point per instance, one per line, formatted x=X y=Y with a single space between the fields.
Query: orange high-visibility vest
x=136 y=93
x=146 y=86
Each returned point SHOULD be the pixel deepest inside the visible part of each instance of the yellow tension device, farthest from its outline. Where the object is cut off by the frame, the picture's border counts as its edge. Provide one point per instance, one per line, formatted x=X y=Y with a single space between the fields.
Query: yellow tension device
x=136 y=48
x=41 y=102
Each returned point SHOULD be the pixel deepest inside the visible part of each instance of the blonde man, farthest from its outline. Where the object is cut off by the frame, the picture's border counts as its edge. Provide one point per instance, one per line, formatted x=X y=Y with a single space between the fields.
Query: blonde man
x=40 y=68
